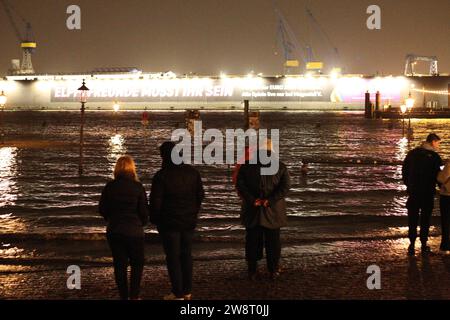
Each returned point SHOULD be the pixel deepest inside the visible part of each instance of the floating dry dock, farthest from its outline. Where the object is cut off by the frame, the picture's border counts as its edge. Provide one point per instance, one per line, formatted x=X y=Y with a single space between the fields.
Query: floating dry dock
x=166 y=91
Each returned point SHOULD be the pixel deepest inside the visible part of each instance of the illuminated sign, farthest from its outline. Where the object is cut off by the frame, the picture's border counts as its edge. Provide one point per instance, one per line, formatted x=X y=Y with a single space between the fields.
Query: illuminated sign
x=345 y=89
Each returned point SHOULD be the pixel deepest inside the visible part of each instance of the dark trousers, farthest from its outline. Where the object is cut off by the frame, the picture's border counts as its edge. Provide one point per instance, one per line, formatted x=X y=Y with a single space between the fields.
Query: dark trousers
x=178 y=250
x=420 y=207
x=444 y=203
x=256 y=239
x=127 y=251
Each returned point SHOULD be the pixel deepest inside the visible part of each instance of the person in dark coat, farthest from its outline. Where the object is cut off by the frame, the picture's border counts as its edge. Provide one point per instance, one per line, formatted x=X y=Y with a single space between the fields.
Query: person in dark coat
x=175 y=201
x=419 y=172
x=124 y=206
x=263 y=213
x=444 y=204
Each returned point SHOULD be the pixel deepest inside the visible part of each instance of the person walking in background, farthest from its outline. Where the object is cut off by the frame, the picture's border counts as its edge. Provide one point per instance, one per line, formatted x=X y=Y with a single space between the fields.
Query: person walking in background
x=175 y=201
x=124 y=206
x=263 y=212
x=444 y=204
x=419 y=172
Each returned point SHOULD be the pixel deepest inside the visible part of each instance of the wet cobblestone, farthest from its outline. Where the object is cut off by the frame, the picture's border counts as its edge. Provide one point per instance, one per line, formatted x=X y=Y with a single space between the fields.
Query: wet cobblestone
x=309 y=272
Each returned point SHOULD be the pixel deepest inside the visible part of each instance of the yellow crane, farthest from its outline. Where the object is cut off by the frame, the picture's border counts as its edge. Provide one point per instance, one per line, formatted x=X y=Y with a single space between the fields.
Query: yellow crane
x=27 y=42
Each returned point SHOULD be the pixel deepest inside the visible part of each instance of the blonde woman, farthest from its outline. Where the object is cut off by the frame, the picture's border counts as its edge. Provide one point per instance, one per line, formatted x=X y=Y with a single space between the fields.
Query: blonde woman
x=444 y=201
x=124 y=206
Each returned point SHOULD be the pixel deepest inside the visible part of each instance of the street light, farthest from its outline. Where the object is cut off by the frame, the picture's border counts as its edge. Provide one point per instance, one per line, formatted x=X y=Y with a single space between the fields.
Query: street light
x=3 y=100
x=83 y=99
x=403 y=110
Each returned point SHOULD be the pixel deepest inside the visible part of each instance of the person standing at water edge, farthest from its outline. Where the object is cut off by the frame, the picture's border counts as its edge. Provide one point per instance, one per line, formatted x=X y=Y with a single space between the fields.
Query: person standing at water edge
x=444 y=201
x=420 y=169
x=263 y=211
x=124 y=206
x=175 y=200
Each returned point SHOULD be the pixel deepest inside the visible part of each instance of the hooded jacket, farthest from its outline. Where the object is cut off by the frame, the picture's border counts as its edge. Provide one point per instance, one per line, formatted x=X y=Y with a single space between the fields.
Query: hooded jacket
x=420 y=169
x=176 y=197
x=444 y=179
x=252 y=185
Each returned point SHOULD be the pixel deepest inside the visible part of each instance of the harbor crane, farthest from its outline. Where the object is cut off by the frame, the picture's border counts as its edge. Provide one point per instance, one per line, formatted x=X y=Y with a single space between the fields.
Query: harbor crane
x=294 y=51
x=287 y=41
x=26 y=39
x=411 y=61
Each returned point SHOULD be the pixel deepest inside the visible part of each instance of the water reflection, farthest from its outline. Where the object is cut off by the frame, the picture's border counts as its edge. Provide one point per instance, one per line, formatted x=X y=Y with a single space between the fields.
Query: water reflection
x=8 y=173
x=116 y=148
x=11 y=224
x=355 y=166
x=402 y=148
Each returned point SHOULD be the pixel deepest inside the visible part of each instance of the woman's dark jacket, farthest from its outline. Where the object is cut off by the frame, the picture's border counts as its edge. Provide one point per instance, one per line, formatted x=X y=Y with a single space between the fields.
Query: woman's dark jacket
x=252 y=185
x=124 y=206
x=176 y=197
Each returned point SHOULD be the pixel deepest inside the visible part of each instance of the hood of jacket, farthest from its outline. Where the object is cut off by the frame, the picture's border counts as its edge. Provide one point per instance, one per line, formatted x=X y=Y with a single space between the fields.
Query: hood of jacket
x=427 y=146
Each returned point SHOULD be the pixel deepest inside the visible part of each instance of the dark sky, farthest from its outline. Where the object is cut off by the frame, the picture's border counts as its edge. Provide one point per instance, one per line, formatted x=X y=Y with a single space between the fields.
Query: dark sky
x=234 y=36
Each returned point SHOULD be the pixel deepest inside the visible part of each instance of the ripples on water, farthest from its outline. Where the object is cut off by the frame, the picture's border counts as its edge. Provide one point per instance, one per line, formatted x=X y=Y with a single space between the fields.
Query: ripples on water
x=354 y=166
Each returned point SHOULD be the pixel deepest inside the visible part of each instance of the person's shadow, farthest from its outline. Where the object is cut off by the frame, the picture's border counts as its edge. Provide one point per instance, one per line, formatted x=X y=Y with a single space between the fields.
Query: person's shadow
x=412 y=290
x=422 y=282
x=430 y=283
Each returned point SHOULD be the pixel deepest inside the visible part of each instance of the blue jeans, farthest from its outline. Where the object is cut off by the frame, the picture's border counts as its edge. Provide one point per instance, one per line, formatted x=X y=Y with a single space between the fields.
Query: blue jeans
x=178 y=250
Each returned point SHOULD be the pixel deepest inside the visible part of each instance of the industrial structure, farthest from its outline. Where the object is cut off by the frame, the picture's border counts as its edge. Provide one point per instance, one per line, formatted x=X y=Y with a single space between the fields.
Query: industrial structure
x=26 y=39
x=412 y=59
x=296 y=52
x=308 y=83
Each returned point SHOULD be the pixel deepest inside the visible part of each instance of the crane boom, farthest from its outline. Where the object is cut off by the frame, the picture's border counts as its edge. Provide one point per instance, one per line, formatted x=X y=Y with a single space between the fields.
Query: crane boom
x=288 y=42
x=320 y=30
x=27 y=43
x=7 y=6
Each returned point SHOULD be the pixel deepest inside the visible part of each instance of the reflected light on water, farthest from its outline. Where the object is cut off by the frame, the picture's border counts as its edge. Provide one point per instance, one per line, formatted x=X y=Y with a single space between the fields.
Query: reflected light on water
x=402 y=149
x=8 y=173
x=116 y=148
x=12 y=224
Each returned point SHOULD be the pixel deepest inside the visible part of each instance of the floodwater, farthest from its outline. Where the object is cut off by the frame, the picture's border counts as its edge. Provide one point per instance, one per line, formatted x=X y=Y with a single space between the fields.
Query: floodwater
x=353 y=187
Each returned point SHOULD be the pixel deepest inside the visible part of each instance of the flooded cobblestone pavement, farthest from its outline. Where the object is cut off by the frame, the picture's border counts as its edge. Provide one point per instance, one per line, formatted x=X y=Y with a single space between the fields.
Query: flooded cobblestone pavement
x=322 y=271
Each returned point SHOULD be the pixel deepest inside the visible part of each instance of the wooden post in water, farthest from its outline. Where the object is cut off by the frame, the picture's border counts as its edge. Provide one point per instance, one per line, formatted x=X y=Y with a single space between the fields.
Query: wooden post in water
x=80 y=164
x=367 y=106
x=377 y=105
x=190 y=117
x=253 y=120
x=246 y=111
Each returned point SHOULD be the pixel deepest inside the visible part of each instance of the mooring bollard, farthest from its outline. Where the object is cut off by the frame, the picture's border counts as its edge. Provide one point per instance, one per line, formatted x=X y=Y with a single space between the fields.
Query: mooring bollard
x=191 y=116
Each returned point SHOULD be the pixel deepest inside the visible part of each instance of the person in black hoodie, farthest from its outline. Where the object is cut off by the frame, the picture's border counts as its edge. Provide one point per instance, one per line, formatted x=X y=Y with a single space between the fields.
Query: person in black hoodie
x=263 y=212
x=175 y=200
x=124 y=206
x=419 y=172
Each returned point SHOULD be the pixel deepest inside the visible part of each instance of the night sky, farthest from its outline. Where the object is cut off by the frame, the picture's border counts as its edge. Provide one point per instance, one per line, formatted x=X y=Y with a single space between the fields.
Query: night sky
x=233 y=36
